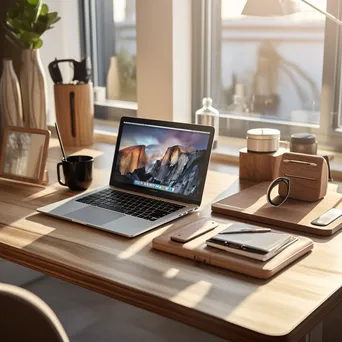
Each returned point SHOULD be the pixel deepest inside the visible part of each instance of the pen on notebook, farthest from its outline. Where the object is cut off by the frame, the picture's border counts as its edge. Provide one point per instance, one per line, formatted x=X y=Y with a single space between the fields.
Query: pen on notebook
x=247 y=230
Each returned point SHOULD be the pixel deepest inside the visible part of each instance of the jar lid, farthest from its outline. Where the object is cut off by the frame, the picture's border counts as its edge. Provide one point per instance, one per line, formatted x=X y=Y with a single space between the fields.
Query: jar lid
x=303 y=138
x=263 y=133
x=207 y=102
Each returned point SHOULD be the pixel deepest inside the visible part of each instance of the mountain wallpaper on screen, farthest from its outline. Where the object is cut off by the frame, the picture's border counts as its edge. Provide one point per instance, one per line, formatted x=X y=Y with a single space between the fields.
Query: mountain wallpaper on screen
x=178 y=165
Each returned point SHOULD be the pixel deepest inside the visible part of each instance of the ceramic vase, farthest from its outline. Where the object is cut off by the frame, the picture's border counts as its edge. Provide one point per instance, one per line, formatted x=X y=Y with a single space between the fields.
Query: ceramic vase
x=11 y=112
x=33 y=89
x=113 y=80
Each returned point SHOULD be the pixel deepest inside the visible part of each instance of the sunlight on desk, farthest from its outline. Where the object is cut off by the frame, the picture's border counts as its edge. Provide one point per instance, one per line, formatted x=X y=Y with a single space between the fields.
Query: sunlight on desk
x=44 y=192
x=171 y=273
x=16 y=238
x=192 y=295
x=88 y=152
x=138 y=245
x=256 y=206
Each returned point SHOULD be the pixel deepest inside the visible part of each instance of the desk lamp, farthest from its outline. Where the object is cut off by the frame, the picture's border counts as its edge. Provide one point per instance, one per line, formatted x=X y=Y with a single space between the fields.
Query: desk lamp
x=270 y=8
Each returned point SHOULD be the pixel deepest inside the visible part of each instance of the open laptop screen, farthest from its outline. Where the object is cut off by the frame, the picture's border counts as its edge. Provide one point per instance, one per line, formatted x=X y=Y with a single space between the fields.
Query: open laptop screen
x=169 y=160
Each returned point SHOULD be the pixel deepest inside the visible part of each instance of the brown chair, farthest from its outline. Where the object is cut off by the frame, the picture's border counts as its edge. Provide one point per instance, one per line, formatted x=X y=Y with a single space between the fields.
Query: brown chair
x=25 y=317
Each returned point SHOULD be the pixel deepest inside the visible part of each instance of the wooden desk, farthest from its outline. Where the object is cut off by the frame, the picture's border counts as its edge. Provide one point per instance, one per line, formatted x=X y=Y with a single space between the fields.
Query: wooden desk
x=221 y=302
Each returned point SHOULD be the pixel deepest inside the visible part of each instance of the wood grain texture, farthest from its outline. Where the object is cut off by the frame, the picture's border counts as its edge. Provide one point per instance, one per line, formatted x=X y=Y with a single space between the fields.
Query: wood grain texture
x=251 y=204
x=198 y=250
x=77 y=129
x=224 y=303
x=259 y=167
x=308 y=182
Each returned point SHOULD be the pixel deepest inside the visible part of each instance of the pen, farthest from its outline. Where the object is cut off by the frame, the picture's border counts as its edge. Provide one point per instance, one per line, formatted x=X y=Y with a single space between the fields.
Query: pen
x=247 y=230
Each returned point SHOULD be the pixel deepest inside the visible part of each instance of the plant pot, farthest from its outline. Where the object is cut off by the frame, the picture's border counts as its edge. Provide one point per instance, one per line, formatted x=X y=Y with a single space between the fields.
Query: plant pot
x=11 y=112
x=33 y=89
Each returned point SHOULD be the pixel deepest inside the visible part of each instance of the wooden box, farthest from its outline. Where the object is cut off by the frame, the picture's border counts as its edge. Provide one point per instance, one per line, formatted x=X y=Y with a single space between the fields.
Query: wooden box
x=75 y=113
x=259 y=167
x=308 y=176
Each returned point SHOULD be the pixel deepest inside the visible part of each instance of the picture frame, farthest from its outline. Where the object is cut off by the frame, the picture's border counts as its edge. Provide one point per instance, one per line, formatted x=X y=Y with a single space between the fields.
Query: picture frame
x=24 y=154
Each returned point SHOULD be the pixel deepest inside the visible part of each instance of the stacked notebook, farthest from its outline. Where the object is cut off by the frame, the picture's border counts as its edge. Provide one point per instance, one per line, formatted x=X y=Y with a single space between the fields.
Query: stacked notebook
x=258 y=245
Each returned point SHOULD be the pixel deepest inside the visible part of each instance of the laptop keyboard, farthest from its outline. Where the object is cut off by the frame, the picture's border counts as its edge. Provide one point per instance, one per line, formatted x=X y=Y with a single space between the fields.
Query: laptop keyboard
x=134 y=205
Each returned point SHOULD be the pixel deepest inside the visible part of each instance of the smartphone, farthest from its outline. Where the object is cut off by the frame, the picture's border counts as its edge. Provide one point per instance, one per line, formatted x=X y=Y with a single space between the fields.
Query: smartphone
x=328 y=217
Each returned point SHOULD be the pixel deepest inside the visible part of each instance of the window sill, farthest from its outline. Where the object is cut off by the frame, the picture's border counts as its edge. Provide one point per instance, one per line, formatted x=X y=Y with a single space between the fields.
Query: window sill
x=227 y=151
x=117 y=104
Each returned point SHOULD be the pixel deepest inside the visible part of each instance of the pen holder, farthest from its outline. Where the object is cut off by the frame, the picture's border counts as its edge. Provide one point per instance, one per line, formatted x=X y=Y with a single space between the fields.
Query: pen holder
x=75 y=113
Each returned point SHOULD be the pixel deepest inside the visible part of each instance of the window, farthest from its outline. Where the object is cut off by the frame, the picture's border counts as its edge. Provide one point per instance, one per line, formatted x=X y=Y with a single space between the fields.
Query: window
x=109 y=39
x=270 y=70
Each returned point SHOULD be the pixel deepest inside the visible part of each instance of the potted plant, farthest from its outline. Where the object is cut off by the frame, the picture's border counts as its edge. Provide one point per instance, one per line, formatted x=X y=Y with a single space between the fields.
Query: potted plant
x=25 y=25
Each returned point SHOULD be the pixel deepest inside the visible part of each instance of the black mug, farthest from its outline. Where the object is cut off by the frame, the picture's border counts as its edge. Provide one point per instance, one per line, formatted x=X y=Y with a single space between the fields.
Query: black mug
x=78 y=172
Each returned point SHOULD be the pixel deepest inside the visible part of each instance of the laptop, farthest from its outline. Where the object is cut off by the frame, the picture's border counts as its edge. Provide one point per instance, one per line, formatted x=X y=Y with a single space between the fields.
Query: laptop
x=158 y=175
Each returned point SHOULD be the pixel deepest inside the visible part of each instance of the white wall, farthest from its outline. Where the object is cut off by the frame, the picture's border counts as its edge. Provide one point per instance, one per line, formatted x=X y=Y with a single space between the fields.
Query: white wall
x=61 y=42
x=164 y=59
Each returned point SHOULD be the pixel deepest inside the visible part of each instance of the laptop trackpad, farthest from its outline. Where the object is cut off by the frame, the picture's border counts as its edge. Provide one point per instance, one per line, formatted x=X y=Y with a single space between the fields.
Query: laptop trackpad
x=94 y=216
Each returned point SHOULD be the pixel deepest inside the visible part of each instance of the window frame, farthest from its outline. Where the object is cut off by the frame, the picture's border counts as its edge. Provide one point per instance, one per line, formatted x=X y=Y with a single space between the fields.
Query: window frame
x=207 y=13
x=110 y=110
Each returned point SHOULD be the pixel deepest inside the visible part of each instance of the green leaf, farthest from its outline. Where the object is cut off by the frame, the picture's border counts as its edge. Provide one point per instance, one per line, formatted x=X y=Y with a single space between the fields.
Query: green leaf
x=14 y=42
x=12 y=13
x=32 y=12
x=38 y=44
x=38 y=10
x=28 y=20
x=56 y=20
x=15 y=38
x=45 y=10
x=8 y=26
x=41 y=27
x=52 y=17
x=29 y=37
x=33 y=2
x=17 y=25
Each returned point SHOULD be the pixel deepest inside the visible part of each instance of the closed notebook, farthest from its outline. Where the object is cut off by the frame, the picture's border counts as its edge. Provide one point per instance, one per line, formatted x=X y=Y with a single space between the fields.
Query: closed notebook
x=259 y=246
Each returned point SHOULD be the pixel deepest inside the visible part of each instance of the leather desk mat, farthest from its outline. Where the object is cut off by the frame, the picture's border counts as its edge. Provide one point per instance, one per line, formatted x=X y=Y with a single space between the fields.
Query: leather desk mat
x=251 y=204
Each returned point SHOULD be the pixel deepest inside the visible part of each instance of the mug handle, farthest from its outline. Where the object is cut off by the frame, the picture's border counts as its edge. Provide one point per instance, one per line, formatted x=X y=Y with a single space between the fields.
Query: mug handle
x=59 y=175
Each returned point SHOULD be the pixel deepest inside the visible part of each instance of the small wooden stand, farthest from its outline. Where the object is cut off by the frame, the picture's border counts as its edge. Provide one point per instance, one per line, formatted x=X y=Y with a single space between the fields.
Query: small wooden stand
x=75 y=113
x=259 y=167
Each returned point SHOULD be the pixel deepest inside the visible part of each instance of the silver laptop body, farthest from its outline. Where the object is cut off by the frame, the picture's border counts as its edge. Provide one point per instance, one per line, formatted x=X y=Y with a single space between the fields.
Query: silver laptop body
x=155 y=160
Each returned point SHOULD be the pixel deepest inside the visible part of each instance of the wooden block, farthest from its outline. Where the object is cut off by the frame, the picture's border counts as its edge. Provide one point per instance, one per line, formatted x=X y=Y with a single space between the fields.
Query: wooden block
x=259 y=167
x=76 y=125
x=308 y=175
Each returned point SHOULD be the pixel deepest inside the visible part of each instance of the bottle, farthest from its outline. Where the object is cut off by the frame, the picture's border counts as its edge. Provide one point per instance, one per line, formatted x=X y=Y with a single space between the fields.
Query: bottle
x=209 y=116
x=239 y=105
x=113 y=80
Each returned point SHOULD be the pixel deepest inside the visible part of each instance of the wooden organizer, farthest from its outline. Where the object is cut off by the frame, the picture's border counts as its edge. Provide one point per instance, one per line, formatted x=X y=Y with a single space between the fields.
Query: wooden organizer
x=252 y=204
x=259 y=167
x=75 y=113
x=199 y=251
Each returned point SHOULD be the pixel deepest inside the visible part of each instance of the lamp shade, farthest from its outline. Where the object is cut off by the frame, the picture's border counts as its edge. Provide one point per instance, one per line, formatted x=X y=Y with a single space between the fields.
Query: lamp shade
x=270 y=8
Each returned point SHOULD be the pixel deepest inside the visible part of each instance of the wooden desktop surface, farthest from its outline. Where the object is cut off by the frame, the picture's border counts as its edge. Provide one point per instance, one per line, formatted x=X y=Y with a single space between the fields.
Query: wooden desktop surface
x=224 y=303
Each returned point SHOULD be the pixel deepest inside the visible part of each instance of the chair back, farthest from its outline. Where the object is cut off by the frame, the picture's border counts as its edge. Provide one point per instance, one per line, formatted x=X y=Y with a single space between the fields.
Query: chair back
x=25 y=317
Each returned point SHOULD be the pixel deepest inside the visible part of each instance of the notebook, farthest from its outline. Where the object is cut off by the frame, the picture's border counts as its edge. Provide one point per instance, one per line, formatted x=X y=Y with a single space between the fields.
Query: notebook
x=258 y=246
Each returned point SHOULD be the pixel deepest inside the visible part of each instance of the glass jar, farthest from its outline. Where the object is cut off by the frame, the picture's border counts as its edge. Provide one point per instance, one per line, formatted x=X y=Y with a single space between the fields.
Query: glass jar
x=209 y=116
